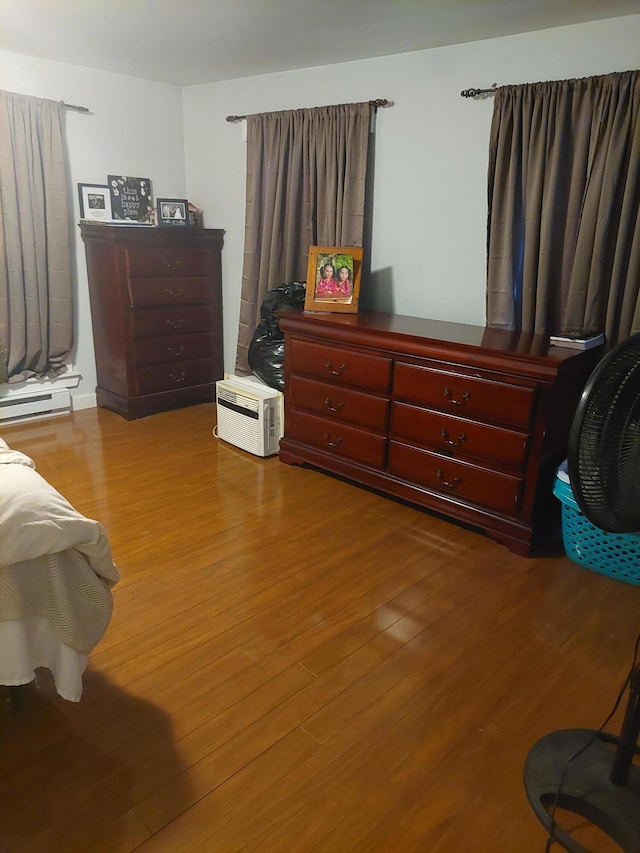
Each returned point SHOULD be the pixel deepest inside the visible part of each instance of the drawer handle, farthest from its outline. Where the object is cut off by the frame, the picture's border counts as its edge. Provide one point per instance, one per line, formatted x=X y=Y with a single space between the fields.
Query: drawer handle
x=447 y=393
x=172 y=266
x=337 y=372
x=177 y=325
x=330 y=443
x=331 y=408
x=461 y=438
x=171 y=292
x=450 y=484
x=177 y=352
x=180 y=378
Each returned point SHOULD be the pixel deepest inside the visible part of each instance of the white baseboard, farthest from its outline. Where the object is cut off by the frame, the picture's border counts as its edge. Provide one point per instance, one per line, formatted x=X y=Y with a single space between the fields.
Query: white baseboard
x=83 y=401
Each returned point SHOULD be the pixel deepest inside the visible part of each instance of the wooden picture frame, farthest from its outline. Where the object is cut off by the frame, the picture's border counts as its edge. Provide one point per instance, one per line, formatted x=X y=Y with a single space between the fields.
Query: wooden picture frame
x=173 y=211
x=95 y=202
x=333 y=290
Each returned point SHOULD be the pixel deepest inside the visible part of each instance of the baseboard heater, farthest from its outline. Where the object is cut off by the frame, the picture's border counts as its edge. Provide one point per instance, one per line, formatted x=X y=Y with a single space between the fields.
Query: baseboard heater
x=33 y=403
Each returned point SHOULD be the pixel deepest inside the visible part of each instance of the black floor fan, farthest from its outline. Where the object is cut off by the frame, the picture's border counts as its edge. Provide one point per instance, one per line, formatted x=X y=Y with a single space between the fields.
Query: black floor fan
x=592 y=773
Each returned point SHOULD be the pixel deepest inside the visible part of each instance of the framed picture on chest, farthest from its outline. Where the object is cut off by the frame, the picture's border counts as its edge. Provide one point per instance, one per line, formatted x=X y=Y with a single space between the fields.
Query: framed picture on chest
x=333 y=279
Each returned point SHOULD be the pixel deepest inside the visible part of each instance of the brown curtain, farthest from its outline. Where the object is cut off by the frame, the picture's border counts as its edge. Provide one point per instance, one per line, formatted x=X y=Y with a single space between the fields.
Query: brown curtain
x=36 y=299
x=306 y=173
x=564 y=191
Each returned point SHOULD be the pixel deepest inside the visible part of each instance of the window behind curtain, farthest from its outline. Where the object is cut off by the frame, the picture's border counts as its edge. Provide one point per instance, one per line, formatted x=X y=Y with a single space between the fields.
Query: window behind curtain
x=564 y=193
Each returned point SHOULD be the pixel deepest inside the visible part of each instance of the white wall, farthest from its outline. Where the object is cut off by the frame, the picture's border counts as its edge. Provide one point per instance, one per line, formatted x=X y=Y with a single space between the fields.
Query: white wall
x=135 y=128
x=429 y=228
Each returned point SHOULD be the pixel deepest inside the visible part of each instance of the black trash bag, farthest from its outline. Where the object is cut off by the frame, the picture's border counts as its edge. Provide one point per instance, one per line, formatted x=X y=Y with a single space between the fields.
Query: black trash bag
x=266 y=350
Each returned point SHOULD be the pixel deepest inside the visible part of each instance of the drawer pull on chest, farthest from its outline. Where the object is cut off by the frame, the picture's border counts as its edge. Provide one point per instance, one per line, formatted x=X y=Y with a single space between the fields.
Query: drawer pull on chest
x=330 y=443
x=177 y=325
x=172 y=266
x=451 y=484
x=331 y=408
x=461 y=438
x=170 y=291
x=337 y=372
x=180 y=378
x=177 y=352
x=447 y=393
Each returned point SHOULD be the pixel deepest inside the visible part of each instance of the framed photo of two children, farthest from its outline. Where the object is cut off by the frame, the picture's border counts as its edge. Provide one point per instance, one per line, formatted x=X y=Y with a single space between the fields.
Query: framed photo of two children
x=333 y=279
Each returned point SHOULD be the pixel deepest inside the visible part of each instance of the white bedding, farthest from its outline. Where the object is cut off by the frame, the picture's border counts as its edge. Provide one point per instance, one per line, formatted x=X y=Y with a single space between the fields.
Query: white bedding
x=56 y=575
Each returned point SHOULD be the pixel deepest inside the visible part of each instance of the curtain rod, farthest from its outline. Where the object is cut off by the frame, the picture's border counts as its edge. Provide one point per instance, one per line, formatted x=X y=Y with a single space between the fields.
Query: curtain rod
x=472 y=93
x=75 y=108
x=62 y=103
x=378 y=102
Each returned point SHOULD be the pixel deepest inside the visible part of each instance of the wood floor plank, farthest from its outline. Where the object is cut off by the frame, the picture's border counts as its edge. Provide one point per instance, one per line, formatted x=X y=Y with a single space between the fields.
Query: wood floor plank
x=214 y=767
x=270 y=681
x=362 y=832
x=212 y=823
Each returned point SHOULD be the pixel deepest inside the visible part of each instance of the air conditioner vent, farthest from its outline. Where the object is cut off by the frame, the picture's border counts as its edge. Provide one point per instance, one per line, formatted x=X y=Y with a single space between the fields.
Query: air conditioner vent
x=232 y=396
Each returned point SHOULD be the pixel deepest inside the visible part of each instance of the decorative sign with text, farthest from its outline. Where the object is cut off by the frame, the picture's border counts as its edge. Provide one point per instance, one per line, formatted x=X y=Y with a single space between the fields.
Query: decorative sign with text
x=131 y=199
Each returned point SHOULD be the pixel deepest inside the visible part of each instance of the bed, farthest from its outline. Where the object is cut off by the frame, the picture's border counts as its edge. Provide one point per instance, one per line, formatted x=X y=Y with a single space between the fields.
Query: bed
x=56 y=577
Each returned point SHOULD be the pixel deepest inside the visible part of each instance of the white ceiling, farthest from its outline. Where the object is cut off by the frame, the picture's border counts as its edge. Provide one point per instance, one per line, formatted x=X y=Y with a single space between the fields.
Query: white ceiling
x=185 y=42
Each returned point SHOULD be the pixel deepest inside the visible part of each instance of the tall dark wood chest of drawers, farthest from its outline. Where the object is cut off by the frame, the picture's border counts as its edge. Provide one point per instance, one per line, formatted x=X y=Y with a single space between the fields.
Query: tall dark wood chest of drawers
x=156 y=311
x=466 y=421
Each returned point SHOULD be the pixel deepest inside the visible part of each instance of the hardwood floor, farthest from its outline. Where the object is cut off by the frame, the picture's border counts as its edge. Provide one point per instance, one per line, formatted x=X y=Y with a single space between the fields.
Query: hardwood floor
x=296 y=664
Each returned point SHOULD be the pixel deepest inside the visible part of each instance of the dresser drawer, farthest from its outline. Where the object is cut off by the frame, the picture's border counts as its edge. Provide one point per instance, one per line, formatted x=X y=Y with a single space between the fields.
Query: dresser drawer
x=172 y=348
x=465 y=396
x=459 y=437
x=144 y=292
x=344 y=404
x=168 y=377
x=158 y=322
x=167 y=261
x=337 y=438
x=341 y=366
x=457 y=479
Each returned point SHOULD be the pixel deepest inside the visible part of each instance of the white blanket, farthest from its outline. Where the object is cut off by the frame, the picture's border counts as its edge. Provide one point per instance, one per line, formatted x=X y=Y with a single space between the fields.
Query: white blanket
x=36 y=522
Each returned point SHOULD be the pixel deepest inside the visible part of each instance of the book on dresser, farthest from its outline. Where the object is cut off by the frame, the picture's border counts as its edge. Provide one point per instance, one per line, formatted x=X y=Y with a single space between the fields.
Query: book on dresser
x=577 y=340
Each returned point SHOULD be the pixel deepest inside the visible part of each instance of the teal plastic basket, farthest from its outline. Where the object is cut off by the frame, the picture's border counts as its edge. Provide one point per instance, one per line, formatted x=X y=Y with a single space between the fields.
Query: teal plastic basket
x=614 y=554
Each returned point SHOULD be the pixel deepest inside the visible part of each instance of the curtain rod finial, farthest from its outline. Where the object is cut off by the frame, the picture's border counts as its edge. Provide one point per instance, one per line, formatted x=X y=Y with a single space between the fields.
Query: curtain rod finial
x=473 y=93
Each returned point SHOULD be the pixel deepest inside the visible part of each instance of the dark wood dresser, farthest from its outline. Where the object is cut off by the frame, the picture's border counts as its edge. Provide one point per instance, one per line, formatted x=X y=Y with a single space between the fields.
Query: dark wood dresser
x=466 y=421
x=156 y=311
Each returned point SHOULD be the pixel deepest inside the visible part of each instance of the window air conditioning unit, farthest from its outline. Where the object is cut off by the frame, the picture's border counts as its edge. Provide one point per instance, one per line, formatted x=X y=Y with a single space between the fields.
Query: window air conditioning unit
x=250 y=415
